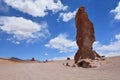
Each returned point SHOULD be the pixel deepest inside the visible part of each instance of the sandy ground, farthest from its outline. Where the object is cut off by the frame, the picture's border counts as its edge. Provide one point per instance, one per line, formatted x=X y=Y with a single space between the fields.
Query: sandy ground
x=109 y=70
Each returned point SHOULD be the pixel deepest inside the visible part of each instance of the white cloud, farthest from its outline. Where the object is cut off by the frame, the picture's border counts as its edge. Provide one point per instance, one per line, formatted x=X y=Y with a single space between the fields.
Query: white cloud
x=13 y=41
x=16 y=42
x=116 y=11
x=23 y=29
x=46 y=54
x=67 y=16
x=112 y=49
x=117 y=37
x=37 y=8
x=62 y=44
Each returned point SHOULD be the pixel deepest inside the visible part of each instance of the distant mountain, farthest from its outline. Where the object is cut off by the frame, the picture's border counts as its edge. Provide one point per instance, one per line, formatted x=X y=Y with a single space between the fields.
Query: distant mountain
x=15 y=59
x=1 y=58
x=4 y=58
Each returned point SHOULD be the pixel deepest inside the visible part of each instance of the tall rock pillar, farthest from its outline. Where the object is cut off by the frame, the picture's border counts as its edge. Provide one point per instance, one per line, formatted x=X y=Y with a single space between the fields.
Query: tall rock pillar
x=84 y=36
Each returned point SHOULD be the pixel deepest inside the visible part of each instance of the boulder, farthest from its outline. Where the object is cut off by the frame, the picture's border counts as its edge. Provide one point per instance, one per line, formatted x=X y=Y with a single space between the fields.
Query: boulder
x=88 y=63
x=84 y=64
x=33 y=59
x=68 y=58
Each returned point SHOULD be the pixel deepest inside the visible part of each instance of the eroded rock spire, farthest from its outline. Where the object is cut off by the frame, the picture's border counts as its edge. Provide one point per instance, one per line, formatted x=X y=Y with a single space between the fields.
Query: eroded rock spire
x=84 y=36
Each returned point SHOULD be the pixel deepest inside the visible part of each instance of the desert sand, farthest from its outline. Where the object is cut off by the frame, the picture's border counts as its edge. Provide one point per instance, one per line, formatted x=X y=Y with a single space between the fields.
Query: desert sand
x=55 y=70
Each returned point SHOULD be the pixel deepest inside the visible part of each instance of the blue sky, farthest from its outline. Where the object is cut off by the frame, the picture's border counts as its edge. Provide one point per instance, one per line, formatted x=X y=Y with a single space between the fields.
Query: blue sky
x=45 y=29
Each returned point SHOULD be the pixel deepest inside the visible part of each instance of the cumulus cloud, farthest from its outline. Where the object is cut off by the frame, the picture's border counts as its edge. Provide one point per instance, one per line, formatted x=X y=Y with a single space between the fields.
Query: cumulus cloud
x=116 y=11
x=67 y=16
x=36 y=8
x=22 y=29
x=112 y=49
x=62 y=44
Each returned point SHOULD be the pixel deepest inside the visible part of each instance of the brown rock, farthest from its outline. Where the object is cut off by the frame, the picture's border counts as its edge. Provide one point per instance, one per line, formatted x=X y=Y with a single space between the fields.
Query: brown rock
x=85 y=36
x=33 y=59
x=84 y=64
x=68 y=58
x=88 y=63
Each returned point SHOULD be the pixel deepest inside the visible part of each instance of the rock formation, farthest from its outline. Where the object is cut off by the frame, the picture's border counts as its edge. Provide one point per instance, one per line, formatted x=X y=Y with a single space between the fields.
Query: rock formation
x=85 y=36
x=33 y=59
x=87 y=63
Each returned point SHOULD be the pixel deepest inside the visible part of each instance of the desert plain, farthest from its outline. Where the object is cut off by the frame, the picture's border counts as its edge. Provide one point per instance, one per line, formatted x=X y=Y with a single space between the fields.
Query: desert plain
x=55 y=70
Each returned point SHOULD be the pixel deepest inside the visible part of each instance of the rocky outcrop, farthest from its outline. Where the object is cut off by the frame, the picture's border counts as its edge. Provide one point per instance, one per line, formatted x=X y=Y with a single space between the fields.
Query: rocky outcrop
x=88 y=63
x=33 y=59
x=84 y=37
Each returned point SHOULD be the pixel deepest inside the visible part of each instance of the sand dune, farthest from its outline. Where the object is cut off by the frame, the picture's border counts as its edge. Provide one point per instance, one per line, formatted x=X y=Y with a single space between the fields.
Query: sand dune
x=55 y=70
